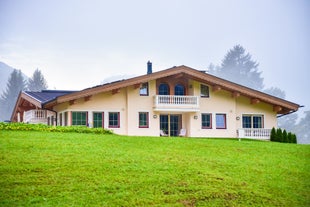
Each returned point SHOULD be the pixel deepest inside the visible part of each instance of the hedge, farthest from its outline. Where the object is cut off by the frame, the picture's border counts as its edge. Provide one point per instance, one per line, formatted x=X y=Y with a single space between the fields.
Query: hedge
x=46 y=128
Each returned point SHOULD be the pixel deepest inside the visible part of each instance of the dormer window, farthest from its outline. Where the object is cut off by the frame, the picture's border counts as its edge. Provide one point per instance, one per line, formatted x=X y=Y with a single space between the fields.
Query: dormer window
x=144 y=89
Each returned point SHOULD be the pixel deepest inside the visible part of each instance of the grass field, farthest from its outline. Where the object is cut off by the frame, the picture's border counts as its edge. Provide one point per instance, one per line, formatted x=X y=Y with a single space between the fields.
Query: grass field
x=71 y=169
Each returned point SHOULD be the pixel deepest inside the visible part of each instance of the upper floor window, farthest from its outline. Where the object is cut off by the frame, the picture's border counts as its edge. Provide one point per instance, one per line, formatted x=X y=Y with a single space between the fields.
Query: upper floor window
x=252 y=121
x=179 y=90
x=204 y=91
x=163 y=89
x=220 y=121
x=79 y=118
x=144 y=89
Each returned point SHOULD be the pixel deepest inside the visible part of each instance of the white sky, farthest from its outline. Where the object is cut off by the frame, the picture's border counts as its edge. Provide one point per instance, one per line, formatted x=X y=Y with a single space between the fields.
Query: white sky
x=78 y=44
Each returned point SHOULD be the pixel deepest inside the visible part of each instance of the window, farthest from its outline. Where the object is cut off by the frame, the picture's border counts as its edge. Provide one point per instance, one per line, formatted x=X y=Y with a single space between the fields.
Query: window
x=143 y=119
x=221 y=121
x=206 y=121
x=114 y=120
x=144 y=90
x=252 y=121
x=204 y=91
x=79 y=118
x=163 y=89
x=98 y=119
x=179 y=90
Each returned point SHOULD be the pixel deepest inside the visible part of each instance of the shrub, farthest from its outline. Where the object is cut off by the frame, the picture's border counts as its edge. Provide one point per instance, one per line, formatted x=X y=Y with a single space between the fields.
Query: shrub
x=284 y=136
x=294 y=138
x=273 y=134
x=46 y=128
x=289 y=137
x=279 y=135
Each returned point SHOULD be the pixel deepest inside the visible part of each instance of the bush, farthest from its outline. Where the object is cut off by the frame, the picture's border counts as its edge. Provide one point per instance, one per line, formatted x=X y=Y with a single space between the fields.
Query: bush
x=279 y=137
x=46 y=128
x=284 y=136
x=273 y=135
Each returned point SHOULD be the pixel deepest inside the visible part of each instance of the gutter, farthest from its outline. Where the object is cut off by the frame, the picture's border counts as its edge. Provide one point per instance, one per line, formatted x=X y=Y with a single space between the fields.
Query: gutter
x=289 y=112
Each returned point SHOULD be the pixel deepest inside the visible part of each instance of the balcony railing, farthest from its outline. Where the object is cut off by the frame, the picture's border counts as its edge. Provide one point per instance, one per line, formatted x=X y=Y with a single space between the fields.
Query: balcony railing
x=176 y=103
x=35 y=116
x=254 y=133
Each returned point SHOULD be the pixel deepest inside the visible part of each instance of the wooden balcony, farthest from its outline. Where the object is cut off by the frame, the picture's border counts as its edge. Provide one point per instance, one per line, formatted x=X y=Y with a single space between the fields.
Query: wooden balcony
x=254 y=133
x=176 y=103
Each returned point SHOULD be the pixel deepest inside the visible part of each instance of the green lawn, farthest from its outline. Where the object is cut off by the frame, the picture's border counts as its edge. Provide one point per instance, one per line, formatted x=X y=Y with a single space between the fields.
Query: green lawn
x=71 y=169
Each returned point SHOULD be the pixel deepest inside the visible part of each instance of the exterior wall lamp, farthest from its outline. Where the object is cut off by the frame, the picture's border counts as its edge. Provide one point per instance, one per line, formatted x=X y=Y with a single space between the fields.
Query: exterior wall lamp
x=195 y=117
x=155 y=116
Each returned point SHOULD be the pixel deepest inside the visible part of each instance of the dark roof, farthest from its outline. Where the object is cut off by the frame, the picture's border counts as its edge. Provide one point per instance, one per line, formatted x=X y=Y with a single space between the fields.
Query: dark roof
x=47 y=95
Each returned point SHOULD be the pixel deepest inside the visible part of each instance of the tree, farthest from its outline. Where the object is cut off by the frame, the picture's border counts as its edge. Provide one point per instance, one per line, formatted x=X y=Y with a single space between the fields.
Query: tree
x=279 y=135
x=238 y=66
x=273 y=135
x=37 y=82
x=15 y=84
x=274 y=91
x=302 y=129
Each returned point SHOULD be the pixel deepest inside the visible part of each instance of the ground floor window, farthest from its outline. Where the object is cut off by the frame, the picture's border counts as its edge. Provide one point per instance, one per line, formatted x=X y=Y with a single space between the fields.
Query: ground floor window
x=114 y=120
x=60 y=119
x=206 y=121
x=220 y=121
x=252 y=121
x=79 y=118
x=98 y=119
x=143 y=119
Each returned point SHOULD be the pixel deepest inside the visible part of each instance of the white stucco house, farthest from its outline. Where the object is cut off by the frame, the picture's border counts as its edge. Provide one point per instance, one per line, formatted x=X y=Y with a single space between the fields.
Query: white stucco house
x=160 y=103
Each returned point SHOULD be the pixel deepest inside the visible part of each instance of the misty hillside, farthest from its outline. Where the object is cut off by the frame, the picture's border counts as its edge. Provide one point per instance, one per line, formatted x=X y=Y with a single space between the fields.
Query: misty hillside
x=5 y=71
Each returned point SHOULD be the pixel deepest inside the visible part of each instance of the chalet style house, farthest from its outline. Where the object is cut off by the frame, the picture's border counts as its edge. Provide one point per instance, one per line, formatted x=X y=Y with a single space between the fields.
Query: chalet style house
x=179 y=101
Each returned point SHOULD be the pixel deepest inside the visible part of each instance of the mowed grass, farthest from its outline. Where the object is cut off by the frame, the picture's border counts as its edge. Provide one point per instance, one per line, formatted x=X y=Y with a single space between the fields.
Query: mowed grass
x=71 y=169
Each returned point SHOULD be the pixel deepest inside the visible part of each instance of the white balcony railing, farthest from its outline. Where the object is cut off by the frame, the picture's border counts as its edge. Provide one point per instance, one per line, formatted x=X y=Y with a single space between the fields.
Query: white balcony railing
x=254 y=133
x=35 y=116
x=176 y=103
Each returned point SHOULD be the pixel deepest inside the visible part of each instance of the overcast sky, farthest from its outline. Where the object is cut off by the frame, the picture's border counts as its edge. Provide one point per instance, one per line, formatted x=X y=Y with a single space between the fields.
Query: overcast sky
x=78 y=44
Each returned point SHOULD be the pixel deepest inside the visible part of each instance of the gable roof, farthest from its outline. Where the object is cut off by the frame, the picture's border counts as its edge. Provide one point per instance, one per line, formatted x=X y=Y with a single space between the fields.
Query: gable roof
x=30 y=99
x=45 y=96
x=285 y=106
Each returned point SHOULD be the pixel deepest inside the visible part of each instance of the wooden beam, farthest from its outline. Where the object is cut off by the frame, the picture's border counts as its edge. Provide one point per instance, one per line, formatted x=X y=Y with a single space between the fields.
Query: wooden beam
x=136 y=86
x=71 y=102
x=115 y=91
x=235 y=94
x=216 y=88
x=87 y=98
x=277 y=108
x=255 y=101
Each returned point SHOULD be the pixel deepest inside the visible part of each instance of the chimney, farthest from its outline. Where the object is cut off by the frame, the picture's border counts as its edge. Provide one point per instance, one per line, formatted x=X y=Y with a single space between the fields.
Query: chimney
x=149 y=67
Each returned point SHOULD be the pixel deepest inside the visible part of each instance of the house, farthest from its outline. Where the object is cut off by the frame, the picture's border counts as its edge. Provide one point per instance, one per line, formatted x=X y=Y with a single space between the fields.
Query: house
x=163 y=102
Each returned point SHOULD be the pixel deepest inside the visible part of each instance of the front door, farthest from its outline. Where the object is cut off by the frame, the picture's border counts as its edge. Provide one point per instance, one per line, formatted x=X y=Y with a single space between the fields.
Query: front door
x=171 y=124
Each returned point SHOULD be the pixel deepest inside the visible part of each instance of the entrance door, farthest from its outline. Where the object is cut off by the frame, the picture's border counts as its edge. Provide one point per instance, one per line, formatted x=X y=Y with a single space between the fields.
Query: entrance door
x=171 y=124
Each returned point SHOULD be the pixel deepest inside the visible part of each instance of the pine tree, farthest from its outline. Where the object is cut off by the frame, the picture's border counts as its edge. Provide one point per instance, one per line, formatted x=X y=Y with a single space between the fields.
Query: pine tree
x=37 y=82
x=238 y=66
x=294 y=139
x=273 y=134
x=279 y=135
x=15 y=84
x=284 y=136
